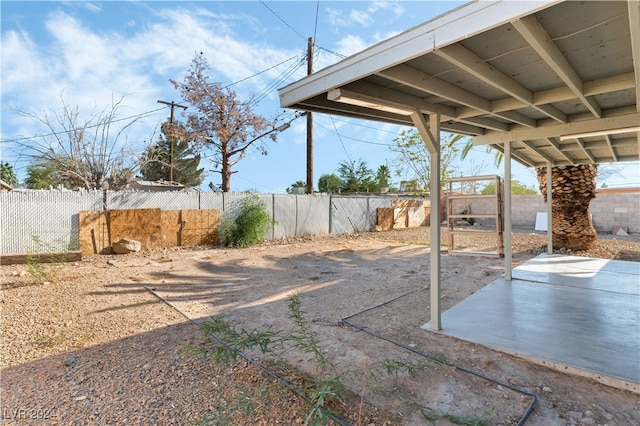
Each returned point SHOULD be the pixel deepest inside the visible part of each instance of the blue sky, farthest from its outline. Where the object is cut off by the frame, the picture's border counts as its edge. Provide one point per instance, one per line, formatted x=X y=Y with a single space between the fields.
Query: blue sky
x=91 y=52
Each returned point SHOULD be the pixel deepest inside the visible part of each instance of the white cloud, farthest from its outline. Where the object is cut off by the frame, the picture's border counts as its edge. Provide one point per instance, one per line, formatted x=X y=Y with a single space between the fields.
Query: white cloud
x=335 y=18
x=90 y=6
x=21 y=65
x=351 y=44
x=396 y=8
x=365 y=17
x=91 y=67
x=361 y=17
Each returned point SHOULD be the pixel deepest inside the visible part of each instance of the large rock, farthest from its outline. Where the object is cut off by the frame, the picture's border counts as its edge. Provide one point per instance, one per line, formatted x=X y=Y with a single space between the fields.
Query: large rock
x=125 y=246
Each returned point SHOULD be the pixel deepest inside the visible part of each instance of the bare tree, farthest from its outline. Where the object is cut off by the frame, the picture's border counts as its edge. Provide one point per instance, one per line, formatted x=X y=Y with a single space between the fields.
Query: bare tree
x=413 y=158
x=221 y=121
x=85 y=153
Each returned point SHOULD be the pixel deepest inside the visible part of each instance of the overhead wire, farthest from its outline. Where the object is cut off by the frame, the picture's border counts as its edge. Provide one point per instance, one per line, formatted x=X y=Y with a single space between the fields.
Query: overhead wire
x=315 y=27
x=266 y=91
x=340 y=136
x=340 y=139
x=280 y=79
x=26 y=138
x=340 y=55
x=261 y=72
x=282 y=20
x=262 y=94
x=356 y=123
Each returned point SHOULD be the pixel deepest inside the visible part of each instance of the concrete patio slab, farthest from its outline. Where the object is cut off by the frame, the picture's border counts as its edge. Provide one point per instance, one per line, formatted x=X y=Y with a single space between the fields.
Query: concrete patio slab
x=577 y=314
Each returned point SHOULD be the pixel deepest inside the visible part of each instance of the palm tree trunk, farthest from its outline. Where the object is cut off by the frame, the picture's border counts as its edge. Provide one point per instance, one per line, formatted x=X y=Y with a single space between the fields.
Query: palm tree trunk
x=572 y=190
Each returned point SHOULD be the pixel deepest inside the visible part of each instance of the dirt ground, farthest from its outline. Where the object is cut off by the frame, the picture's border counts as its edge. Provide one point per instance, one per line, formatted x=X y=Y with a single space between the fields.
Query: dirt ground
x=102 y=341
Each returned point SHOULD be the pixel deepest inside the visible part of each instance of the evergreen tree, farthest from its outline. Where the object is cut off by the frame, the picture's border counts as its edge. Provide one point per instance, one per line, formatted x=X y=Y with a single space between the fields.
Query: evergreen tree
x=330 y=183
x=7 y=174
x=298 y=184
x=357 y=177
x=42 y=175
x=158 y=162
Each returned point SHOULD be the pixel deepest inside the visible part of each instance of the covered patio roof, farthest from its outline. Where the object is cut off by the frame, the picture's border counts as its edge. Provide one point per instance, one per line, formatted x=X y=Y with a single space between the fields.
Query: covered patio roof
x=546 y=82
x=559 y=80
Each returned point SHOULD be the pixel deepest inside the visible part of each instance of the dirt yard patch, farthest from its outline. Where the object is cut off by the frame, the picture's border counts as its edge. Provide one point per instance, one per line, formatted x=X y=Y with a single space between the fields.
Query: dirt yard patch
x=95 y=343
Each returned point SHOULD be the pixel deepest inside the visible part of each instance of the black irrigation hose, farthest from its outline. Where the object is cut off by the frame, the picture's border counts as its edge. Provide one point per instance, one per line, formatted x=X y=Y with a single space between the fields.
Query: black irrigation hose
x=247 y=358
x=345 y=321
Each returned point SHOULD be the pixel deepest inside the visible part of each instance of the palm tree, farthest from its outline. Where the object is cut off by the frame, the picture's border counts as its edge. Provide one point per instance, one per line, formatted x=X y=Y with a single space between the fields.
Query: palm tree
x=572 y=190
x=383 y=176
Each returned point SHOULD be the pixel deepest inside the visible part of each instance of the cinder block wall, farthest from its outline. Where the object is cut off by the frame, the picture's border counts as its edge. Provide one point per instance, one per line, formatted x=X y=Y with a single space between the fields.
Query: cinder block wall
x=607 y=210
x=616 y=209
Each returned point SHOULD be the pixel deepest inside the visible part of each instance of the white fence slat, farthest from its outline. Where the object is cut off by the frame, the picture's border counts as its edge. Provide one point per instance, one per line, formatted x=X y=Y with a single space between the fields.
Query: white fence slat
x=47 y=221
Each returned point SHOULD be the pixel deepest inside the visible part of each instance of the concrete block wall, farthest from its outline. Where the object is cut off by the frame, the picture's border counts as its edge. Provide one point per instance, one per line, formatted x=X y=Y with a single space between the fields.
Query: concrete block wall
x=607 y=210
x=524 y=209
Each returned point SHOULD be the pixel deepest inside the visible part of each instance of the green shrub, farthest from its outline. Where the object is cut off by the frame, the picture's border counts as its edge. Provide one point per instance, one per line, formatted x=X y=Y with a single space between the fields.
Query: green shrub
x=249 y=227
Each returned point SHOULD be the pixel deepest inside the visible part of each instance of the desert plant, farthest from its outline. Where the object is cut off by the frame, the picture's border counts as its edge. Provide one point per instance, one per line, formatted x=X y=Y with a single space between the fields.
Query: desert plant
x=432 y=415
x=249 y=226
x=33 y=264
x=224 y=343
x=46 y=340
x=232 y=407
x=469 y=220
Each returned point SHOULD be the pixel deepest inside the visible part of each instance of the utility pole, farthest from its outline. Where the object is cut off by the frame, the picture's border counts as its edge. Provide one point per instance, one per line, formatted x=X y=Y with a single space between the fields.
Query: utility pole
x=171 y=134
x=309 y=123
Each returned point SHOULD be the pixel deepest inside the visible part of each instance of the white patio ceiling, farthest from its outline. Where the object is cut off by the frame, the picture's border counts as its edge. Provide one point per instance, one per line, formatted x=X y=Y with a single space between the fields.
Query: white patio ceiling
x=558 y=80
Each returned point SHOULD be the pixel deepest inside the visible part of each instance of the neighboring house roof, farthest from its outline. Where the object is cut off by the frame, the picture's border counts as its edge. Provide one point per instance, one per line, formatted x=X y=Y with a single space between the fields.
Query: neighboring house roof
x=4 y=186
x=160 y=185
x=557 y=80
x=623 y=190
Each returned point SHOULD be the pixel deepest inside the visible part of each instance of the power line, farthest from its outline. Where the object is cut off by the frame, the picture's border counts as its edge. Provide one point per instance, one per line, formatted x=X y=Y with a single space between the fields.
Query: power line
x=262 y=72
x=315 y=28
x=339 y=55
x=282 y=20
x=353 y=139
x=256 y=183
x=25 y=138
x=340 y=139
x=356 y=123
x=273 y=85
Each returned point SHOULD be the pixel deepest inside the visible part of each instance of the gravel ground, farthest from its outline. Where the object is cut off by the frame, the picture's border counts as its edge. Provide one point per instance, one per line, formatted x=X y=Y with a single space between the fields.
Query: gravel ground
x=75 y=349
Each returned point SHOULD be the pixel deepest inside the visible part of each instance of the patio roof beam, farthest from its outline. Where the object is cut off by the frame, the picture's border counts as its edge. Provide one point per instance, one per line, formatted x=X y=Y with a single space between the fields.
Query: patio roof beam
x=531 y=147
x=536 y=35
x=411 y=77
x=555 y=130
x=521 y=159
x=412 y=102
x=465 y=59
x=556 y=146
x=485 y=123
x=634 y=29
x=610 y=146
x=559 y=94
x=327 y=107
x=580 y=143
